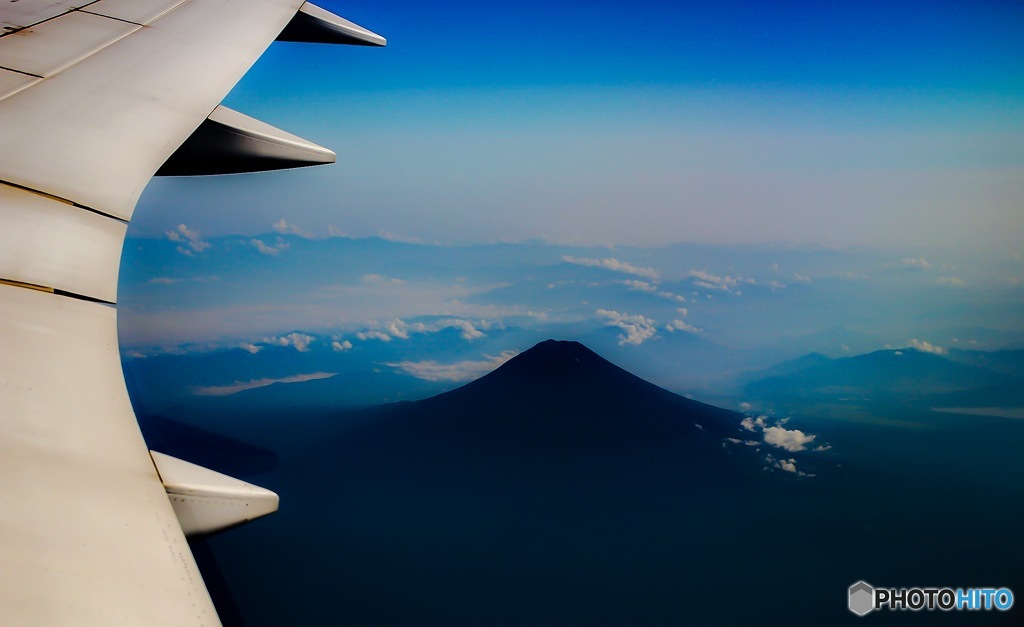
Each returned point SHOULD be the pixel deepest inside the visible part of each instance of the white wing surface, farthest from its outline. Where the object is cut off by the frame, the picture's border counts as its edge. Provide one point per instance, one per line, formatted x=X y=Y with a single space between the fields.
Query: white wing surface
x=94 y=98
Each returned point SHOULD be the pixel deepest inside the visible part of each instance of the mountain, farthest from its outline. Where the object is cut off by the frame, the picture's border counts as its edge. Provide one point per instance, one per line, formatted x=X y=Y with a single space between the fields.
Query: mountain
x=562 y=490
x=1004 y=361
x=558 y=489
x=558 y=396
x=785 y=368
x=906 y=375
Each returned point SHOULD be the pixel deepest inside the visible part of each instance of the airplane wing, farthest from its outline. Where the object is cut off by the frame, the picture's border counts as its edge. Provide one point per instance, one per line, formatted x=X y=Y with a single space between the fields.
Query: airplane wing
x=96 y=97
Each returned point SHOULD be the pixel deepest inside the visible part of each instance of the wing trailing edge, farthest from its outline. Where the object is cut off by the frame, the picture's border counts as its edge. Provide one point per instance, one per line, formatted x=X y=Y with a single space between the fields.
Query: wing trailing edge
x=315 y=25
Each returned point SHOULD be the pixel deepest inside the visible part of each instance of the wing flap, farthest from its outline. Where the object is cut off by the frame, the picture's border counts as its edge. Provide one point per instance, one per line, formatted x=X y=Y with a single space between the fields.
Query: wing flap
x=83 y=249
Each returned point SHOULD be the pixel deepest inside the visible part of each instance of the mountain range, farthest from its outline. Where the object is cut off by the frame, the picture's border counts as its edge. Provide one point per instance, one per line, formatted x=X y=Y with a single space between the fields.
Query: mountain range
x=732 y=308
x=911 y=379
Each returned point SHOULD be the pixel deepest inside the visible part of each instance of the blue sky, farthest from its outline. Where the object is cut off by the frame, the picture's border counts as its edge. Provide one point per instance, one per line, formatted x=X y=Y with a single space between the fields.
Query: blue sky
x=887 y=124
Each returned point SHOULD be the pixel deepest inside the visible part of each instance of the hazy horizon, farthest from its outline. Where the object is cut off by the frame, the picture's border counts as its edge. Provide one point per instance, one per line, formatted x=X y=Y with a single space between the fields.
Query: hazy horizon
x=890 y=124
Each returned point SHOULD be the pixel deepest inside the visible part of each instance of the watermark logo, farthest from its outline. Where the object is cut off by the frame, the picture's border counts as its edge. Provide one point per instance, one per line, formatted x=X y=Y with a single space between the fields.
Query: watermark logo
x=864 y=598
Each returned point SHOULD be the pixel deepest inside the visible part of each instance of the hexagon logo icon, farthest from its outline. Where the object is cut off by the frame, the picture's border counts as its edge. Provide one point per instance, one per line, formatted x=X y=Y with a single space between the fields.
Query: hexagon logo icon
x=862 y=598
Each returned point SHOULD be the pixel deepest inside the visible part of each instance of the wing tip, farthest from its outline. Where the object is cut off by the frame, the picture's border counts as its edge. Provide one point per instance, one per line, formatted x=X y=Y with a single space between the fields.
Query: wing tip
x=313 y=24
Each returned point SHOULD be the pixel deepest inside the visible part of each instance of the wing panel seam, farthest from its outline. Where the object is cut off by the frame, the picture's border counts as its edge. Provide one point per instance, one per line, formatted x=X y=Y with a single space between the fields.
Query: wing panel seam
x=110 y=17
x=55 y=291
x=49 y=19
x=62 y=200
x=10 y=69
x=70 y=10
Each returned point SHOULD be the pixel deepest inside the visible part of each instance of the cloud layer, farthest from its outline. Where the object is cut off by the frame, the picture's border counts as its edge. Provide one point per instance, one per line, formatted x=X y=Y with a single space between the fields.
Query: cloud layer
x=457 y=372
x=241 y=386
x=610 y=263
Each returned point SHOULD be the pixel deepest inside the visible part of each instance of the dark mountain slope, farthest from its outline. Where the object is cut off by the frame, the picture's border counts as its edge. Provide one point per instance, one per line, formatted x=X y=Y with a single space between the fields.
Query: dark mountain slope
x=559 y=396
x=561 y=490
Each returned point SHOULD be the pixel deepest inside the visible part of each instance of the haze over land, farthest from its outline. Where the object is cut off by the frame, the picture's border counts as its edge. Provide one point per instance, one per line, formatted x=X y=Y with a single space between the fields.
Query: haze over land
x=845 y=179
x=229 y=314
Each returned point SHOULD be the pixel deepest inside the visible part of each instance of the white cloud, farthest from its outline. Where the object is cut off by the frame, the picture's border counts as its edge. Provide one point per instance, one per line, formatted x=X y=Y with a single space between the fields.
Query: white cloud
x=251 y=348
x=333 y=231
x=241 y=386
x=373 y=335
x=298 y=341
x=786 y=465
x=753 y=424
x=399 y=329
x=469 y=332
x=455 y=372
x=380 y=279
x=927 y=347
x=637 y=328
x=395 y=237
x=792 y=440
x=799 y=278
x=650 y=287
x=639 y=286
x=394 y=329
x=952 y=280
x=341 y=347
x=190 y=240
x=744 y=442
x=682 y=325
x=686 y=327
x=789 y=465
x=915 y=262
x=721 y=283
x=269 y=250
x=285 y=228
x=614 y=265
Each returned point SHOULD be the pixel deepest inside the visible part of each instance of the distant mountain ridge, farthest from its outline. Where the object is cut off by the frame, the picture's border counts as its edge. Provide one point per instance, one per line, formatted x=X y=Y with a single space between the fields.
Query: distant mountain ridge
x=907 y=375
